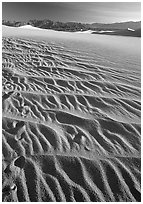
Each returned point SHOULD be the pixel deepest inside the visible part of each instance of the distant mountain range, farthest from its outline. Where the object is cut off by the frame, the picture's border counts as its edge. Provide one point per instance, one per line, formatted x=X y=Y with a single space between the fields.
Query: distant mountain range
x=118 y=28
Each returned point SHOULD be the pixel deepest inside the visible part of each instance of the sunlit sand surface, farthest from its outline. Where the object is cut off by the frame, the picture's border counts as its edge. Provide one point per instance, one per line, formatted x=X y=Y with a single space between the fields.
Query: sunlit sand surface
x=71 y=122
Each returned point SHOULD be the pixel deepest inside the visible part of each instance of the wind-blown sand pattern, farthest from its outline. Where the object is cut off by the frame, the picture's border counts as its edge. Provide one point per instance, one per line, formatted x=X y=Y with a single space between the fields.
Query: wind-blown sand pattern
x=71 y=130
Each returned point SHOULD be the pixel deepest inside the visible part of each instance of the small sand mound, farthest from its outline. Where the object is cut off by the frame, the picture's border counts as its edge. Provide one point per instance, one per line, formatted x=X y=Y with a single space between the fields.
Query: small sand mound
x=29 y=27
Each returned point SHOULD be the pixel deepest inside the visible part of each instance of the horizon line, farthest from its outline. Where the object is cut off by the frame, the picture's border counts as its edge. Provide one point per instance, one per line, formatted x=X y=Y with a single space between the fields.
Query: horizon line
x=73 y=21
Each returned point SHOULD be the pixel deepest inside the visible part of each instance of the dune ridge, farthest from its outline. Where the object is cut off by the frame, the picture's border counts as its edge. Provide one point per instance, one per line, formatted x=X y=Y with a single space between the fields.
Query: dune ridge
x=71 y=129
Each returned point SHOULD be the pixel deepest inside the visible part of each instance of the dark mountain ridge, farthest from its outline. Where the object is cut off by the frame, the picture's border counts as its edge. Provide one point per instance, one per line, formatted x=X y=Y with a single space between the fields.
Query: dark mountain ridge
x=122 y=25
x=118 y=28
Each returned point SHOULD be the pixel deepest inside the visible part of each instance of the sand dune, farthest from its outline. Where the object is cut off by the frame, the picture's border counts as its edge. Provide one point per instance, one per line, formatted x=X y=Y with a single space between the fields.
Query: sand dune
x=29 y=27
x=71 y=130
x=86 y=31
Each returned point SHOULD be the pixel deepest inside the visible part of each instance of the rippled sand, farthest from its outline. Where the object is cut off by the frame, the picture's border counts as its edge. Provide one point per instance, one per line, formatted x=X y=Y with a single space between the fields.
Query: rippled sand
x=71 y=130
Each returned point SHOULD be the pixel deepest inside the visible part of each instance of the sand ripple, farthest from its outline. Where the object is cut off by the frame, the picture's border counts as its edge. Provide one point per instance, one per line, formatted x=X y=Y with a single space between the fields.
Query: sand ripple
x=71 y=128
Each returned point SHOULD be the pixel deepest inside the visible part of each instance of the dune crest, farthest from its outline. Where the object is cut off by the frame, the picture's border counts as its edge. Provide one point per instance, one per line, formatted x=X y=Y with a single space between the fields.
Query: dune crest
x=29 y=27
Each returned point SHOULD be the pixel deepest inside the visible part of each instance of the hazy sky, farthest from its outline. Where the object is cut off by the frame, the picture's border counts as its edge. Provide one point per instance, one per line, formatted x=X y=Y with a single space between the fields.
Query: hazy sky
x=88 y=12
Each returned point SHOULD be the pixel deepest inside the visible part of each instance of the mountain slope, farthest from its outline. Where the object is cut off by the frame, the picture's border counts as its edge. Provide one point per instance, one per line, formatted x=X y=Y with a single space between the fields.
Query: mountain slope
x=123 y=25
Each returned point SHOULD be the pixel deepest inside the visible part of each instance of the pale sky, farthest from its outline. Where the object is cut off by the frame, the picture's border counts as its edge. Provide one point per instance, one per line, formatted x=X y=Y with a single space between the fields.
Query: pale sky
x=85 y=12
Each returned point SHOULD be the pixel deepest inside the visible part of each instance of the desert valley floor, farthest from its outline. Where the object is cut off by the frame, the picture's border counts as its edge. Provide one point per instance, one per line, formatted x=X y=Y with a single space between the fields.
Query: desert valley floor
x=71 y=122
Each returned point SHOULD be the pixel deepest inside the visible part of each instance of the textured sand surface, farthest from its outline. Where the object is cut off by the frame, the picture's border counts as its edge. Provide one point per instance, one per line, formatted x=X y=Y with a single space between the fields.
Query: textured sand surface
x=71 y=130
